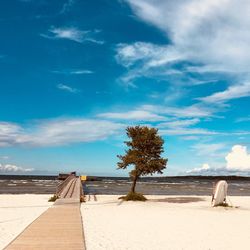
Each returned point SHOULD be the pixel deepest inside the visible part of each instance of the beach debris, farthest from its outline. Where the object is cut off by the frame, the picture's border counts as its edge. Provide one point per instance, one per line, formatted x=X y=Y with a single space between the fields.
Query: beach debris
x=220 y=194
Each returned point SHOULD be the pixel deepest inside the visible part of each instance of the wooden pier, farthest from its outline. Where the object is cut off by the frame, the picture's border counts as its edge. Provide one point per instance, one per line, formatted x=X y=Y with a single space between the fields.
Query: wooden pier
x=59 y=227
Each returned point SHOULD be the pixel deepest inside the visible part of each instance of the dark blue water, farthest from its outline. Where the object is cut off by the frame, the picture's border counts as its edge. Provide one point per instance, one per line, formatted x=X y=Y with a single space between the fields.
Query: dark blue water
x=120 y=186
x=168 y=186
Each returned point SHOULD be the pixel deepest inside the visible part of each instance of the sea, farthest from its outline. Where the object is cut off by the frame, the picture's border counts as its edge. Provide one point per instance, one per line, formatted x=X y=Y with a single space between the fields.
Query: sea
x=176 y=185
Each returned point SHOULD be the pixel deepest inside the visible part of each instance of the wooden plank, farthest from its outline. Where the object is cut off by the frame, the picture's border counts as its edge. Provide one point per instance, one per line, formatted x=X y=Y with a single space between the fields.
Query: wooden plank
x=59 y=227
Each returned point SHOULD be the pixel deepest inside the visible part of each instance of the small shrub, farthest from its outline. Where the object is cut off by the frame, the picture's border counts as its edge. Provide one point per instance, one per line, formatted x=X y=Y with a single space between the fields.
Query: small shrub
x=133 y=196
x=53 y=198
x=82 y=198
x=224 y=204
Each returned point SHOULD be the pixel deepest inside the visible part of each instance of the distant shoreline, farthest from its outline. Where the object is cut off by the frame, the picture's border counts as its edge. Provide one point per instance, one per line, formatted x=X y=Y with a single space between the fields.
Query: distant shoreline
x=200 y=177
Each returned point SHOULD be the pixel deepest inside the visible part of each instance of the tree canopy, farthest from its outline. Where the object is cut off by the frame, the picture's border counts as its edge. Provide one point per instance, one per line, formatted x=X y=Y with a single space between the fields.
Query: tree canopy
x=144 y=153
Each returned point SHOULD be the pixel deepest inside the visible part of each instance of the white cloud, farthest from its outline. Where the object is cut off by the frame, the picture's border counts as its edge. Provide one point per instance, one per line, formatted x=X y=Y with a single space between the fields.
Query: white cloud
x=179 y=123
x=188 y=131
x=146 y=59
x=81 y=72
x=209 y=32
x=8 y=168
x=183 y=112
x=237 y=163
x=205 y=167
x=67 y=88
x=57 y=132
x=183 y=127
x=151 y=55
x=73 y=34
x=4 y=157
x=73 y=72
x=169 y=120
x=137 y=115
x=8 y=133
x=233 y=92
x=238 y=159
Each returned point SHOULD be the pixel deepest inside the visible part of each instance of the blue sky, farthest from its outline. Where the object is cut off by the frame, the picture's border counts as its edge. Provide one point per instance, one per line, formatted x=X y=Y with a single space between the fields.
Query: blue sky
x=74 y=74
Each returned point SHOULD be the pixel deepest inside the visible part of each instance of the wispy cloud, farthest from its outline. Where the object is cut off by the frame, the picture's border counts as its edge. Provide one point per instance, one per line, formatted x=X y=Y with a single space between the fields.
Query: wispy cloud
x=233 y=92
x=208 y=149
x=57 y=132
x=188 y=131
x=67 y=88
x=169 y=120
x=146 y=59
x=73 y=34
x=67 y=6
x=183 y=112
x=9 y=133
x=179 y=123
x=209 y=32
x=73 y=72
x=205 y=39
x=180 y=126
x=243 y=119
x=4 y=157
x=150 y=55
x=136 y=115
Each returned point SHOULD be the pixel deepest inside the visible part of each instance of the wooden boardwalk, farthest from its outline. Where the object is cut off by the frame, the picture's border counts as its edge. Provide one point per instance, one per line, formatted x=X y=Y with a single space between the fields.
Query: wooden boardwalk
x=59 y=227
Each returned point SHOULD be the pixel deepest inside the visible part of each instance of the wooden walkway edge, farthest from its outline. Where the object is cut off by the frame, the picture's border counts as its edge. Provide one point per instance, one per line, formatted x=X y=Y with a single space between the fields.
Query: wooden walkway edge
x=59 y=227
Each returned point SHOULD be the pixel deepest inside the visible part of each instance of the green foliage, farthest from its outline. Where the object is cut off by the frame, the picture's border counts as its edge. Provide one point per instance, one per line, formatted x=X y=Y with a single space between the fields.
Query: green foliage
x=53 y=198
x=144 y=153
x=133 y=196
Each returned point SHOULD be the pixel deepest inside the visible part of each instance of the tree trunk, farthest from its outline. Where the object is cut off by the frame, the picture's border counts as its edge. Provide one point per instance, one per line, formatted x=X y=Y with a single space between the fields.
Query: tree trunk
x=134 y=184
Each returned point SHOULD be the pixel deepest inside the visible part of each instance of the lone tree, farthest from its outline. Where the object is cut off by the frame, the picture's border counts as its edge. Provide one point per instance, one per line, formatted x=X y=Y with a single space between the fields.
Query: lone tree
x=145 y=148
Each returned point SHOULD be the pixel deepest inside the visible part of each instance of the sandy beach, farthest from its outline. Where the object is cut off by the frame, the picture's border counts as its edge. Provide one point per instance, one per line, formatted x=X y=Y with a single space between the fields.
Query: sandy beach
x=158 y=224
x=163 y=222
x=17 y=212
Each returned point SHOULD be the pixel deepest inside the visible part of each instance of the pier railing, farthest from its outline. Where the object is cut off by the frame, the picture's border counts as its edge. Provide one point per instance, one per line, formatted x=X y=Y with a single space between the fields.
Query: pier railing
x=81 y=190
x=61 y=186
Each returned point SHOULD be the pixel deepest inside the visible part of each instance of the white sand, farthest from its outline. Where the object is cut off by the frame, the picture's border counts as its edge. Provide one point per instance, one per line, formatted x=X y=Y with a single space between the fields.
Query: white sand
x=109 y=224
x=17 y=212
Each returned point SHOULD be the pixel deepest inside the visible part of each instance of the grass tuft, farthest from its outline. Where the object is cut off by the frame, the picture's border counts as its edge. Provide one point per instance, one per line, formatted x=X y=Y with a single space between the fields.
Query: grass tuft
x=53 y=198
x=133 y=196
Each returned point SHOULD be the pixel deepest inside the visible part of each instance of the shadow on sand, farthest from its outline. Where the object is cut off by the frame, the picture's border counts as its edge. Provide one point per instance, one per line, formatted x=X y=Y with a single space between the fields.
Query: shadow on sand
x=178 y=199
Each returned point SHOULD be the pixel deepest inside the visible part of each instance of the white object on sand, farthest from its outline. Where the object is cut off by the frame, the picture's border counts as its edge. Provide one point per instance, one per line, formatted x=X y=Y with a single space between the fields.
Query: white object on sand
x=220 y=193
